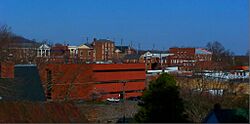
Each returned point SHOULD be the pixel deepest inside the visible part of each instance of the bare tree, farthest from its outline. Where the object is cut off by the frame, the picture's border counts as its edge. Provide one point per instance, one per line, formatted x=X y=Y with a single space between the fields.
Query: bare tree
x=220 y=54
x=6 y=37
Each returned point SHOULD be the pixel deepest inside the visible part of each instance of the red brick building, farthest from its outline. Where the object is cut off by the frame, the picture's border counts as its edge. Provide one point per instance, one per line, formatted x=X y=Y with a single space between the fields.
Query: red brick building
x=85 y=53
x=186 y=58
x=6 y=70
x=92 y=81
x=60 y=54
x=104 y=49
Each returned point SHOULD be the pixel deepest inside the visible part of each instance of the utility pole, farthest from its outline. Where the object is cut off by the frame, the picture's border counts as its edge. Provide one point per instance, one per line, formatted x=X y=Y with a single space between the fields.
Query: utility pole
x=123 y=100
x=139 y=45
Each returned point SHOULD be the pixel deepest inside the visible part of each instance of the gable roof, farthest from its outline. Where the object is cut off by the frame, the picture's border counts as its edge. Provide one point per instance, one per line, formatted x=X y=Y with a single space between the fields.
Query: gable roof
x=83 y=46
x=122 y=48
x=44 y=46
x=202 y=51
x=227 y=116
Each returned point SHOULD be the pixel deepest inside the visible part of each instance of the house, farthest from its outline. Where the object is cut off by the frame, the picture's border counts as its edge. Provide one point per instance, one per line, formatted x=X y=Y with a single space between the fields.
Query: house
x=219 y=115
x=86 y=53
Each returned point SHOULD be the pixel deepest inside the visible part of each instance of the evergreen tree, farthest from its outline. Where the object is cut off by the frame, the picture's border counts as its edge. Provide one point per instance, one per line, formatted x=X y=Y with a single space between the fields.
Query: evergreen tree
x=161 y=102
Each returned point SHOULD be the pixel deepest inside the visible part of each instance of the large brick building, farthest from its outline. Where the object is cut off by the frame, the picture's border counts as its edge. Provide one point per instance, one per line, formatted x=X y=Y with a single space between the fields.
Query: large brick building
x=92 y=81
x=104 y=49
x=187 y=58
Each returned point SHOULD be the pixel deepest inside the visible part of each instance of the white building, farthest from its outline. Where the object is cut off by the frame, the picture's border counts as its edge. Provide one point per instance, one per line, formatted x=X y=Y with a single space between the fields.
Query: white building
x=43 y=51
x=73 y=50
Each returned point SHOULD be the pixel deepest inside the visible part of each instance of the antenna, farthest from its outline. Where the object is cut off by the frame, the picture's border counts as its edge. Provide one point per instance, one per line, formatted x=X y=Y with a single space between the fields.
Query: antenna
x=139 y=47
x=121 y=41
x=121 y=44
x=131 y=43
x=87 y=40
x=153 y=46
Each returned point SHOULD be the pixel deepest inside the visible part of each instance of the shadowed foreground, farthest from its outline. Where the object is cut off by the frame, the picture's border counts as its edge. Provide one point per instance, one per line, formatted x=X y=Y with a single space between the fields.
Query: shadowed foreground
x=40 y=112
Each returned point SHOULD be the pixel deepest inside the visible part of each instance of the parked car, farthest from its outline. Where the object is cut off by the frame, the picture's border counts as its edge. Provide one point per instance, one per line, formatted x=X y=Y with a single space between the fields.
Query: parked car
x=113 y=100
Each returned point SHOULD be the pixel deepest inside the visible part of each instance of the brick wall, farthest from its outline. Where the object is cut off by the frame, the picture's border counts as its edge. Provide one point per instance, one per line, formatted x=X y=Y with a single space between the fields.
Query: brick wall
x=93 y=81
x=7 y=70
x=104 y=50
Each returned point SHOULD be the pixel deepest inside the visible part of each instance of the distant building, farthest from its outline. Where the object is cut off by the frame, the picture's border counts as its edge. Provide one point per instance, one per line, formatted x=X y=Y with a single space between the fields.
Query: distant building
x=43 y=50
x=186 y=58
x=19 y=50
x=155 y=59
x=132 y=58
x=241 y=60
x=104 y=49
x=122 y=51
x=60 y=53
x=73 y=51
x=85 y=53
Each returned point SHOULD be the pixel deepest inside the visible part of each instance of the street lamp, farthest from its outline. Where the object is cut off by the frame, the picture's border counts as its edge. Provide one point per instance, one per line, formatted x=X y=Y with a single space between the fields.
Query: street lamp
x=123 y=100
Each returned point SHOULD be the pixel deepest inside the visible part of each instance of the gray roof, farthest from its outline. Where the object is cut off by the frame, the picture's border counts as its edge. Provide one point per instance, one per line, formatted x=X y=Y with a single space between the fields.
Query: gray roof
x=132 y=56
x=25 y=86
x=122 y=48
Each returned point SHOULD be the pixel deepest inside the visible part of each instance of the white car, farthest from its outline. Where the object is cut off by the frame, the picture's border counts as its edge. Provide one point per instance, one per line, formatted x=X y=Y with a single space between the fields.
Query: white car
x=113 y=99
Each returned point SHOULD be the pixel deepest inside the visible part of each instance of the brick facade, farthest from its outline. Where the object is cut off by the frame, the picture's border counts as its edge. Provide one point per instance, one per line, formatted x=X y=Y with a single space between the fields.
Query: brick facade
x=7 y=70
x=188 y=58
x=104 y=49
x=92 y=81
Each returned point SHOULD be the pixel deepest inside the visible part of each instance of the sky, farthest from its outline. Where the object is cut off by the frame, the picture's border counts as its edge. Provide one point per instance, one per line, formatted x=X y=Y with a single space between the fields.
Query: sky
x=158 y=23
